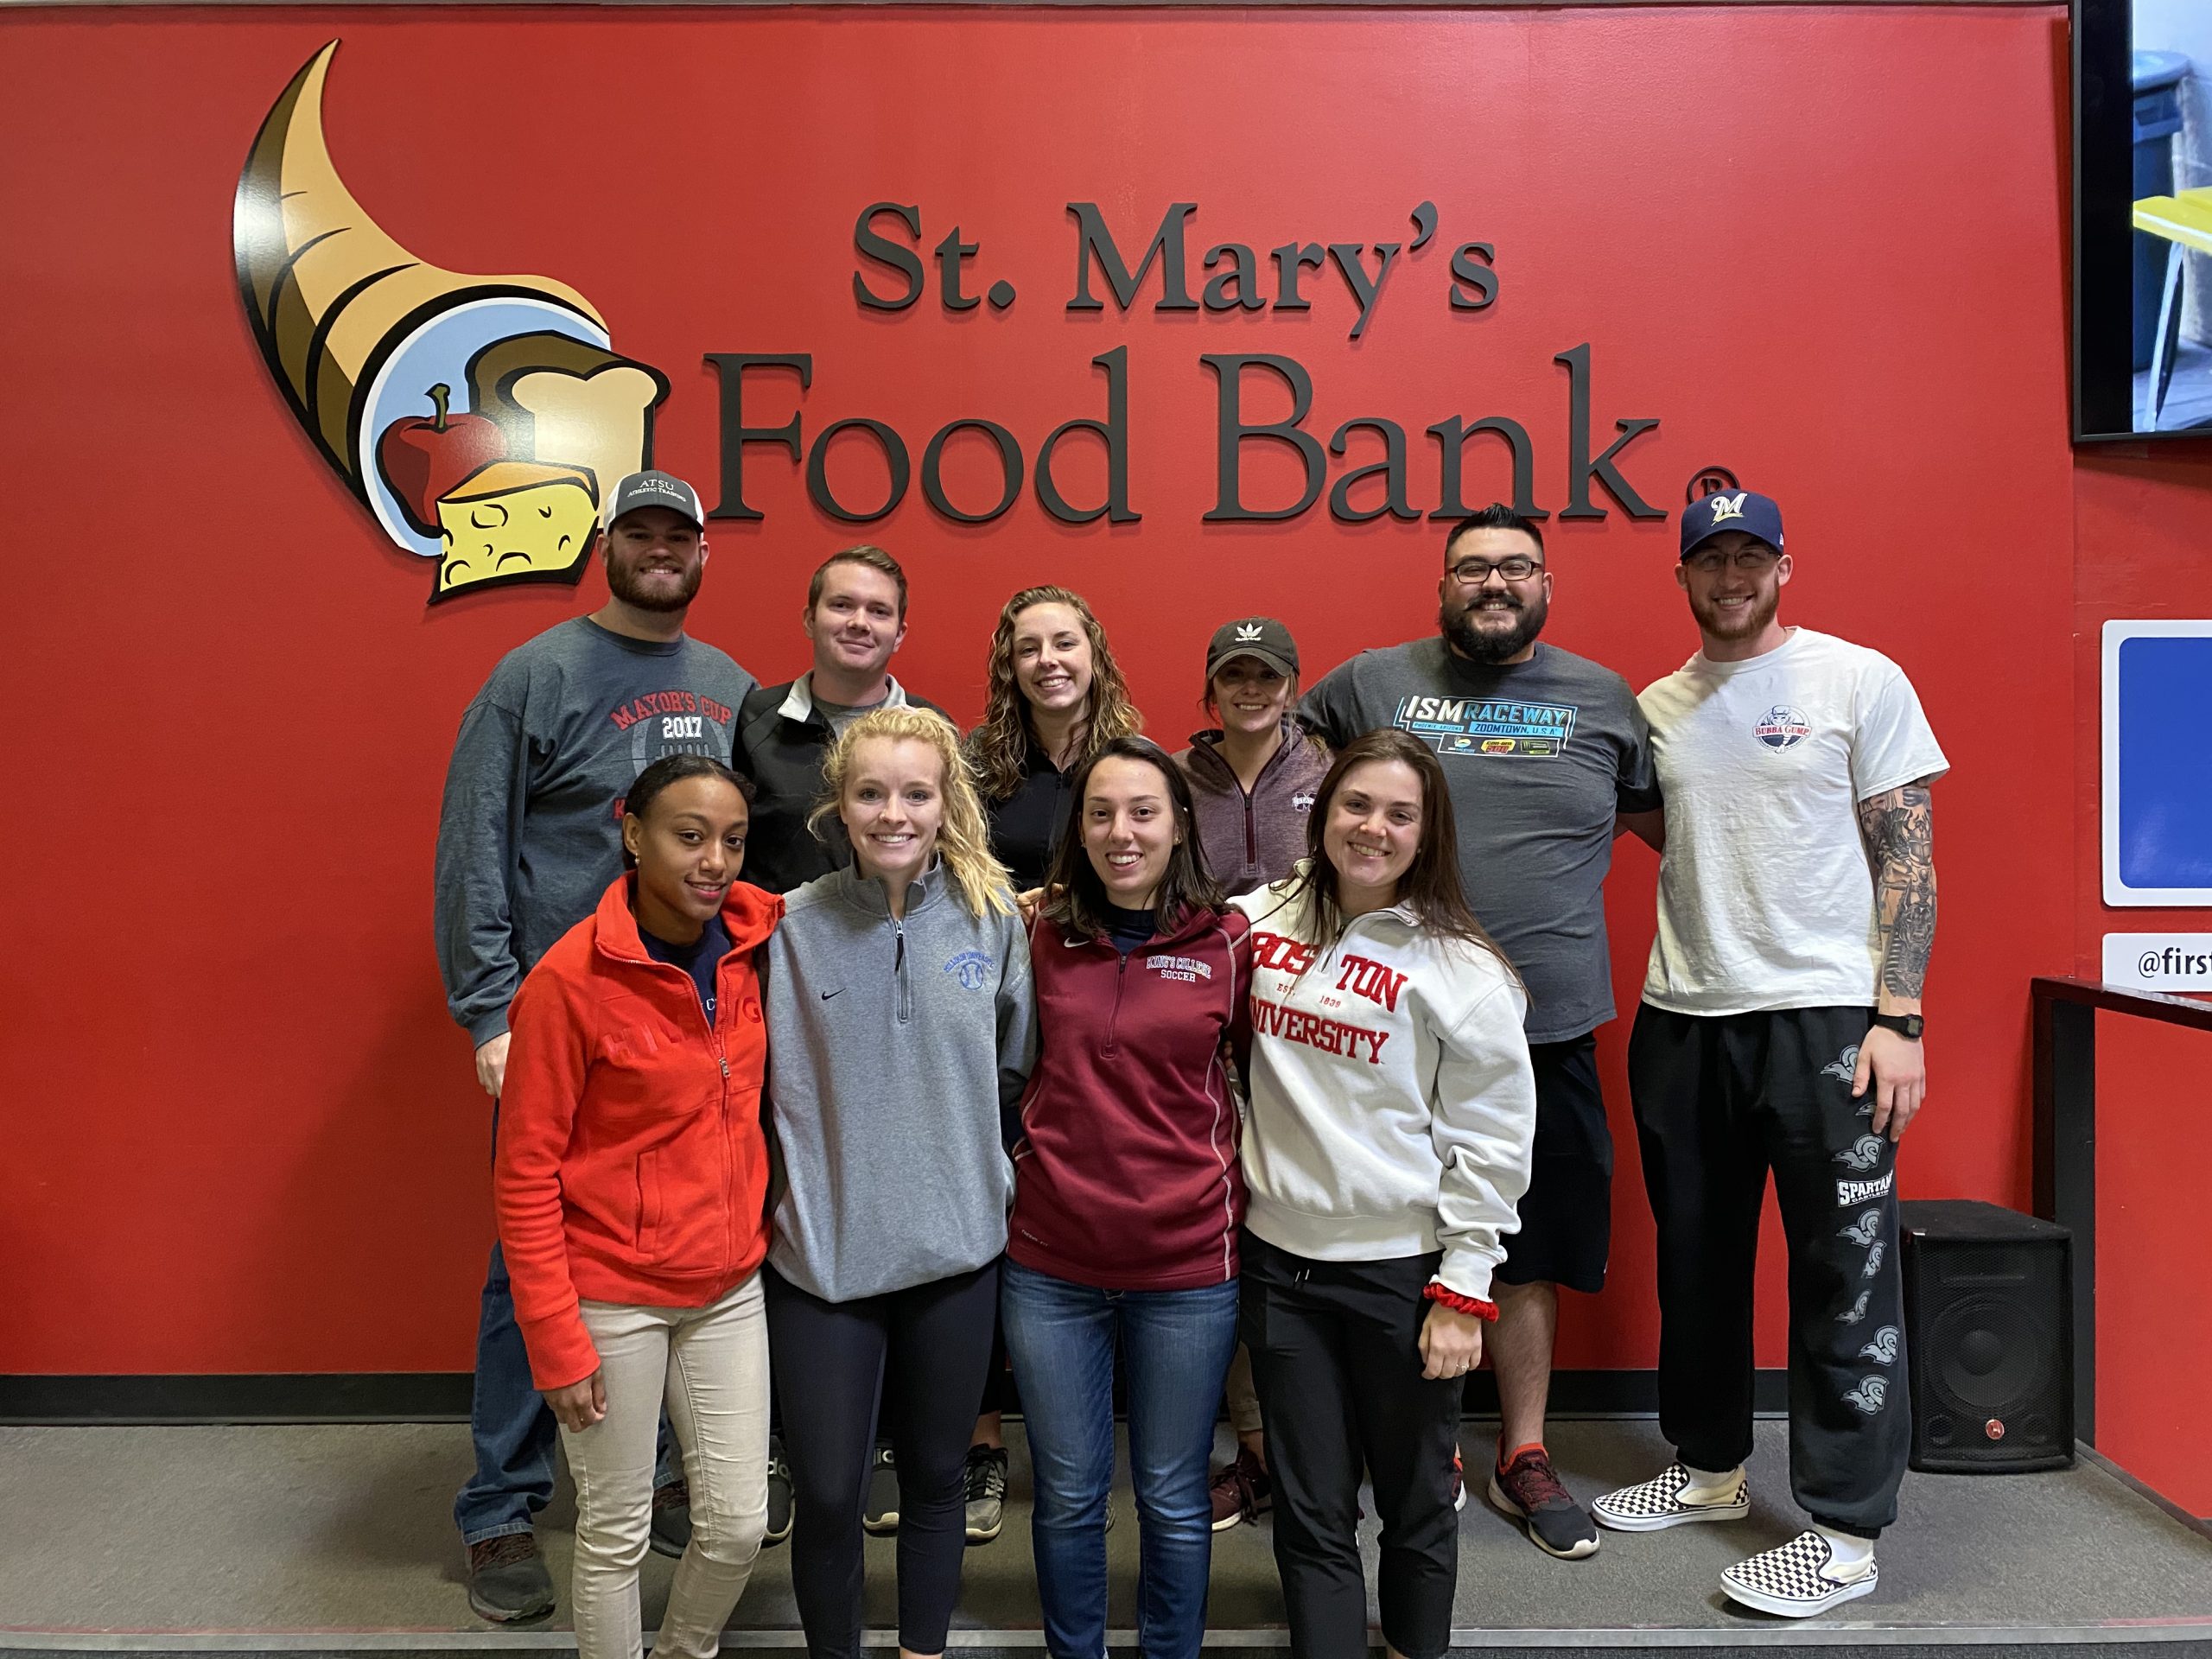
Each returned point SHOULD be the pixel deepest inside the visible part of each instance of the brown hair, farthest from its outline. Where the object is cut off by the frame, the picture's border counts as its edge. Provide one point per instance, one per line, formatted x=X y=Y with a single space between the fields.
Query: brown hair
x=1312 y=739
x=963 y=840
x=1431 y=887
x=999 y=748
x=1079 y=895
x=874 y=558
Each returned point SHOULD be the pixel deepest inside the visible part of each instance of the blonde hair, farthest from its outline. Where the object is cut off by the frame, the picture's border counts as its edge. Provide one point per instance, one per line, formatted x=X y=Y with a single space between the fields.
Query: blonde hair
x=963 y=839
x=1000 y=746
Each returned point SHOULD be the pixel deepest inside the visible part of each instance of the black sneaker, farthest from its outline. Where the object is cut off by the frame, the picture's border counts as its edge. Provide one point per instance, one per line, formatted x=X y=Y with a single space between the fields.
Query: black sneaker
x=986 y=1493
x=779 y=1494
x=508 y=1579
x=879 y=1514
x=1528 y=1489
x=671 y=1533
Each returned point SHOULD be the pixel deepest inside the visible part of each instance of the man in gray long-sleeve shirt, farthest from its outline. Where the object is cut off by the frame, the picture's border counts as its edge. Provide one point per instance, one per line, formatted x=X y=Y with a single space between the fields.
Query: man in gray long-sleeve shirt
x=529 y=836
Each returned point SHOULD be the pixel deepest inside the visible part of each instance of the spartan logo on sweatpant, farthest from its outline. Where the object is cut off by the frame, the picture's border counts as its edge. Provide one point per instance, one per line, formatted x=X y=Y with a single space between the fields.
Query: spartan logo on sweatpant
x=1873 y=1260
x=1882 y=1351
x=1857 y=1310
x=1862 y=1154
x=1872 y=1394
x=1864 y=1231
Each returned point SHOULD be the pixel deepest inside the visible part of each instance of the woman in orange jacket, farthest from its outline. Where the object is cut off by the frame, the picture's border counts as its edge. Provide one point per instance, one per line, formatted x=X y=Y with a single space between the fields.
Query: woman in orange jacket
x=630 y=1180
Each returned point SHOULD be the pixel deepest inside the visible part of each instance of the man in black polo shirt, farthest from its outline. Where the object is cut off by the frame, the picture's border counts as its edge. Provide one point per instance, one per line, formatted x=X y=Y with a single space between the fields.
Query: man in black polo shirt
x=856 y=618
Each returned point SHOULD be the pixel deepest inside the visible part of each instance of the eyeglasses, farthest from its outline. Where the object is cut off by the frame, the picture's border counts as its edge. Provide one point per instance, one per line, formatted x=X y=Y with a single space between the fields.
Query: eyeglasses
x=1751 y=561
x=1472 y=573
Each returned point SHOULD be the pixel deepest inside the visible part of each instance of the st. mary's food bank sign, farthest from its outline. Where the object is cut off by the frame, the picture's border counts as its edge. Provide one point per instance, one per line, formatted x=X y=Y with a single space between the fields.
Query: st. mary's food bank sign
x=480 y=420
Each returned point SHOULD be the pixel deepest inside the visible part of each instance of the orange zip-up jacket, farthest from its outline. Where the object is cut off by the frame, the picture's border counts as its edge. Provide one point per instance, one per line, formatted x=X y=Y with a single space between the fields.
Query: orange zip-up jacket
x=630 y=1165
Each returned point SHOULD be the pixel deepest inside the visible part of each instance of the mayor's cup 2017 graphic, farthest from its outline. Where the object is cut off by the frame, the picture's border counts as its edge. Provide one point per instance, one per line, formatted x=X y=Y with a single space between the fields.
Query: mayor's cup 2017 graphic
x=481 y=420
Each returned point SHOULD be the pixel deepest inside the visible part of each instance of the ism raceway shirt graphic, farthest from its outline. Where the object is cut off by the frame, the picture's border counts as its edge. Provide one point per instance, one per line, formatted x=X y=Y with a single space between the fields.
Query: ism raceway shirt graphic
x=1539 y=756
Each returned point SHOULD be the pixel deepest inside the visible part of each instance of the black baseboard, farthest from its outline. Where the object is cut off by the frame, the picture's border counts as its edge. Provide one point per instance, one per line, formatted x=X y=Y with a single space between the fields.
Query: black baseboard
x=442 y=1396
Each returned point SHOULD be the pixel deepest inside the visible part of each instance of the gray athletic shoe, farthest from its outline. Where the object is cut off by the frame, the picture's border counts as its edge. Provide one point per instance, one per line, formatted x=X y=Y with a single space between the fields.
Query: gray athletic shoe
x=779 y=1494
x=880 y=1513
x=1529 y=1489
x=986 y=1493
x=671 y=1533
x=508 y=1579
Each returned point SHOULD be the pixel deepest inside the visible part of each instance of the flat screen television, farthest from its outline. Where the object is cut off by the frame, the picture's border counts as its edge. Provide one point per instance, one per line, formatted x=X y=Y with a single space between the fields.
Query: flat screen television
x=2142 y=219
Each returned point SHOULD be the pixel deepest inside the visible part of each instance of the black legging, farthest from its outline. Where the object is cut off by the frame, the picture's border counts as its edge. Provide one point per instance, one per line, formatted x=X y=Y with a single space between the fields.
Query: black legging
x=828 y=1360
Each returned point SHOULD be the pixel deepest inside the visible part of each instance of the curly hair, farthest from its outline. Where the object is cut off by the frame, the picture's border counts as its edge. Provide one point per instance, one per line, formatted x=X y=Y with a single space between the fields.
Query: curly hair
x=963 y=839
x=999 y=749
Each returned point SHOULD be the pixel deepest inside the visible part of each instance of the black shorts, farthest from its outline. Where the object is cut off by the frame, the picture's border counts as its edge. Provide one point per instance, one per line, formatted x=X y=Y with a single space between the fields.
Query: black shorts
x=1567 y=1215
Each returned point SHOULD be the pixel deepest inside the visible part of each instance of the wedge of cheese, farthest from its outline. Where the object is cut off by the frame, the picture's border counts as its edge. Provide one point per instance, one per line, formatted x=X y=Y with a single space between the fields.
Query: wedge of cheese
x=570 y=404
x=517 y=520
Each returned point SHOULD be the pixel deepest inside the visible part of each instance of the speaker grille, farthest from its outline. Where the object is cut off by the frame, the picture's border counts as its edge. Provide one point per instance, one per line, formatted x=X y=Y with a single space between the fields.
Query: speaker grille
x=1989 y=1341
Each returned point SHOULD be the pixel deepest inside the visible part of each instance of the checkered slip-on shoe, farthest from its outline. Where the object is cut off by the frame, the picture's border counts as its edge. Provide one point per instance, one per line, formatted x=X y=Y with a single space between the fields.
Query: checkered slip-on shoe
x=1796 y=1580
x=1658 y=1505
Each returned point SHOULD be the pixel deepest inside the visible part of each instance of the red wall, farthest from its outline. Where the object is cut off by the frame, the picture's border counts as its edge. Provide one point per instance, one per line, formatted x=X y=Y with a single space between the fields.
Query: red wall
x=1823 y=246
x=2144 y=526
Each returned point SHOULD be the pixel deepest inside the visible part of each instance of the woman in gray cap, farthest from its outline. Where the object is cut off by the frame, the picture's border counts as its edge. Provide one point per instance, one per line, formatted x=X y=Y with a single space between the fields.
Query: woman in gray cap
x=1252 y=778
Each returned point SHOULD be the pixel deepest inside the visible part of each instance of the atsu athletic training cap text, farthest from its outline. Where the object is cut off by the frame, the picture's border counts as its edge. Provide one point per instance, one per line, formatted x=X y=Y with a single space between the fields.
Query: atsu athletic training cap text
x=650 y=489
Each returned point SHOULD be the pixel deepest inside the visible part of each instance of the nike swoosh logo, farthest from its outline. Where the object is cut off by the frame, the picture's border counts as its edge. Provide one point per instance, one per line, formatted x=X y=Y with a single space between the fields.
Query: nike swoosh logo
x=826 y=995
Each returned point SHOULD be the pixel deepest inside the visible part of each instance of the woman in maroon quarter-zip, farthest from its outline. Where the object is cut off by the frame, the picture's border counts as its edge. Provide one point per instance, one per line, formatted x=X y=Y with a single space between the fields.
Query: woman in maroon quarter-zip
x=1127 y=1197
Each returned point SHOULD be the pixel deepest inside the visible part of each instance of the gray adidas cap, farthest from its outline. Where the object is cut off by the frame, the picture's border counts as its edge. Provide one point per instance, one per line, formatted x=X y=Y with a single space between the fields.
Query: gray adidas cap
x=651 y=489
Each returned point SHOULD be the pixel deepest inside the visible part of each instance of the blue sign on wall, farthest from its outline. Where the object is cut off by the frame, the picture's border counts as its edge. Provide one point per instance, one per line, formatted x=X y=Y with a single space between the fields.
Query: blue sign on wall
x=2157 y=763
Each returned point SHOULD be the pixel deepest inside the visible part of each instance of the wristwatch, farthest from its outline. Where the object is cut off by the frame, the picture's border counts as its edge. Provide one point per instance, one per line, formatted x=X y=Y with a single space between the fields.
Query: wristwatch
x=1907 y=1025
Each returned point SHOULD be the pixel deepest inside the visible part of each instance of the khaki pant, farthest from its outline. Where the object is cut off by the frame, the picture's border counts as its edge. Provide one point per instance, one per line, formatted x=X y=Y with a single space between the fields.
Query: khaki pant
x=1243 y=1400
x=710 y=1365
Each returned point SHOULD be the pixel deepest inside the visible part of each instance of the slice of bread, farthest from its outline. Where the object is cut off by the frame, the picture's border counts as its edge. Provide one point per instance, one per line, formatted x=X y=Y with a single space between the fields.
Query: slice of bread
x=570 y=404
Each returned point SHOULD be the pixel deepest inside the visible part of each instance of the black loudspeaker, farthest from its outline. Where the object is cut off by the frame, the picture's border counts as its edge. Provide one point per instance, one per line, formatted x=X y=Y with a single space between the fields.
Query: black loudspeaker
x=1989 y=1335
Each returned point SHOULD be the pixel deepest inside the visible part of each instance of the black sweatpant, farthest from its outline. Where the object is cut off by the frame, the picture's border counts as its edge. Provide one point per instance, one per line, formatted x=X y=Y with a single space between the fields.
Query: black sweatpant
x=1335 y=1362
x=828 y=1359
x=1720 y=1101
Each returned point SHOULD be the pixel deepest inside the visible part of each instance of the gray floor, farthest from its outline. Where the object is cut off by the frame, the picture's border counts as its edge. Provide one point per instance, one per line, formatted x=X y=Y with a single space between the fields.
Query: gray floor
x=347 y=1530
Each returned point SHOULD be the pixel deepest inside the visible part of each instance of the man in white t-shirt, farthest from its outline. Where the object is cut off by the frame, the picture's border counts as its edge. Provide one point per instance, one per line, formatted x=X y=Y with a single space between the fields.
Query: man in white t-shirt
x=1780 y=1031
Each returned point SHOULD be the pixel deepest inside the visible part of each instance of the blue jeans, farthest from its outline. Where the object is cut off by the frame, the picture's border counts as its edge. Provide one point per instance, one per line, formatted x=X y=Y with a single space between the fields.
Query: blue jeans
x=1176 y=1346
x=512 y=1427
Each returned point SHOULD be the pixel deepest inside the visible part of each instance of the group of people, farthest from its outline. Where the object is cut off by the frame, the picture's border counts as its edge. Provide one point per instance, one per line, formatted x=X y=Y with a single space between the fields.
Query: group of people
x=844 y=1065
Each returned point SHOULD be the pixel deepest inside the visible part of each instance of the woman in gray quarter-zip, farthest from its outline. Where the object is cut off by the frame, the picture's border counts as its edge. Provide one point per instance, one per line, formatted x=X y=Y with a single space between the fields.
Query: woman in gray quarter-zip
x=902 y=1027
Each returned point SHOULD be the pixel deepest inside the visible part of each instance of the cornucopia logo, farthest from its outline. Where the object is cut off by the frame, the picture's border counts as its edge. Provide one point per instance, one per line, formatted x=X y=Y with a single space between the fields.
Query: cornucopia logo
x=481 y=420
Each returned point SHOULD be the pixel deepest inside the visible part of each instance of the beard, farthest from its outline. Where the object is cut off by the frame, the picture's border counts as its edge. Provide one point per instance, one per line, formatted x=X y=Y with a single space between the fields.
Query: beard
x=1747 y=623
x=623 y=582
x=1490 y=646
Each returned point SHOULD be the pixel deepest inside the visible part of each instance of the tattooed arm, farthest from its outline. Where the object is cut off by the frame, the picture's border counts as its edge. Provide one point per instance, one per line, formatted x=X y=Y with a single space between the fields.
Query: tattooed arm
x=1898 y=827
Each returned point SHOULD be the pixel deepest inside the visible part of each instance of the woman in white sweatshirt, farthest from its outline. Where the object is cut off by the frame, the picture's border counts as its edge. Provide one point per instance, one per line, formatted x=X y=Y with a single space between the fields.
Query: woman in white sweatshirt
x=1392 y=1107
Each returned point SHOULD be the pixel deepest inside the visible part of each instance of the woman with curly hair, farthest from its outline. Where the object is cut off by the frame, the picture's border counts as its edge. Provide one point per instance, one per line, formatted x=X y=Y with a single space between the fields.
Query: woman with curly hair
x=1055 y=697
x=902 y=1027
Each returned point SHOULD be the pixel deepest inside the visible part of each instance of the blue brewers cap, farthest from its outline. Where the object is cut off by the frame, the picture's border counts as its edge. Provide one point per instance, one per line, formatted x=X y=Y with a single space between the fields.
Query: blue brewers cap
x=1753 y=514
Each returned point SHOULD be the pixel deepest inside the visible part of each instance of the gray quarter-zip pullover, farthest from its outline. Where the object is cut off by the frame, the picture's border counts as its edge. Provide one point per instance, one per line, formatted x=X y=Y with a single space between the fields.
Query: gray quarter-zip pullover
x=894 y=1046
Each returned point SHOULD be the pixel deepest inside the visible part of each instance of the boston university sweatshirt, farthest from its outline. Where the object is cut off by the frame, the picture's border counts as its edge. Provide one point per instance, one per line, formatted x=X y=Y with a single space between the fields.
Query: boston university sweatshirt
x=1393 y=1105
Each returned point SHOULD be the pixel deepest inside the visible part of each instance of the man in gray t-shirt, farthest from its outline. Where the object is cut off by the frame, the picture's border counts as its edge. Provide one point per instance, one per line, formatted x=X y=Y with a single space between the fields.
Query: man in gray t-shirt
x=1546 y=754
x=530 y=835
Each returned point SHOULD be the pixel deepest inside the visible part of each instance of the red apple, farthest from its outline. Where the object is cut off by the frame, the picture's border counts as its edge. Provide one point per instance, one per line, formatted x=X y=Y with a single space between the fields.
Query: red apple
x=422 y=460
